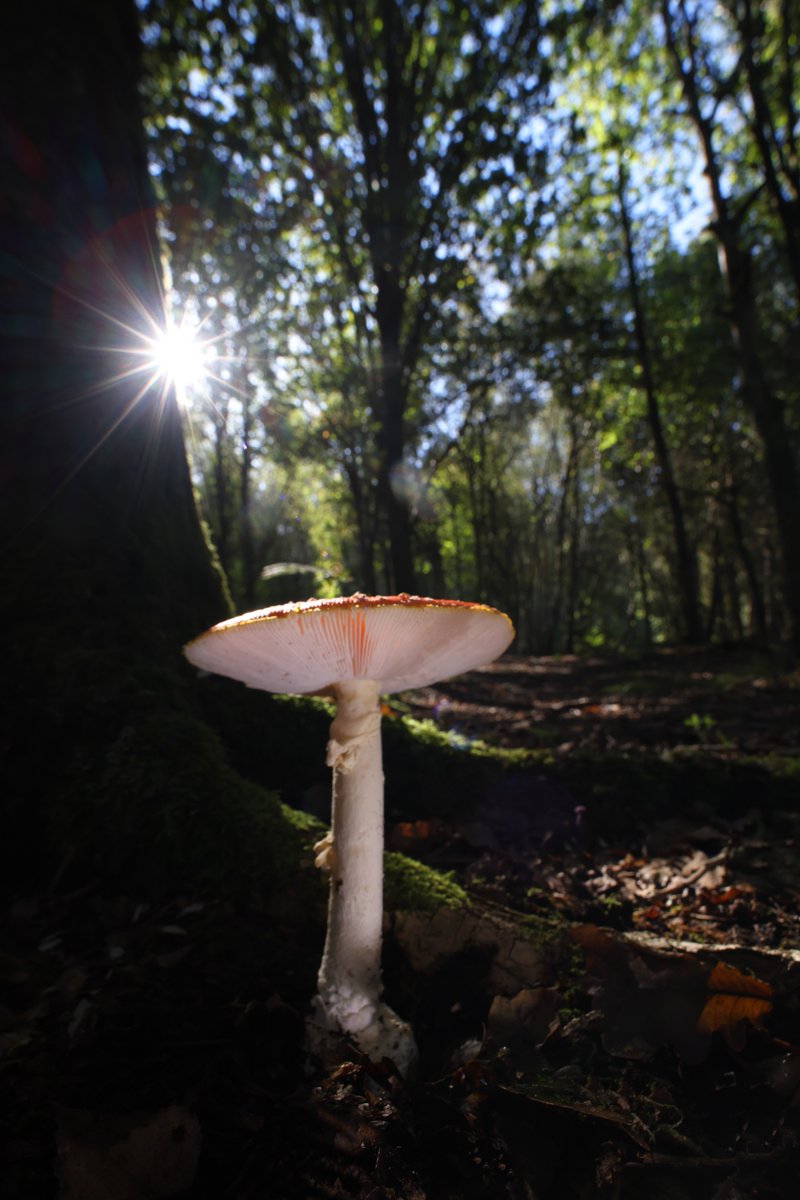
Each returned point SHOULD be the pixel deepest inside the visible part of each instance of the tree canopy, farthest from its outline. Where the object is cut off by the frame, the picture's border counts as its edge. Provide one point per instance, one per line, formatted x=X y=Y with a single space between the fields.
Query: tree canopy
x=504 y=300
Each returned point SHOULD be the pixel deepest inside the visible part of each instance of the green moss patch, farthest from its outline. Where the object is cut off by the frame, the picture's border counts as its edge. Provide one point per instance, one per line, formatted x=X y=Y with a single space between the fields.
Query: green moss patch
x=409 y=885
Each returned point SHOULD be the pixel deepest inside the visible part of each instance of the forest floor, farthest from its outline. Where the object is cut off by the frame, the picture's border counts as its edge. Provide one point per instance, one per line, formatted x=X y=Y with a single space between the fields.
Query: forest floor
x=736 y=700
x=617 y=1016
x=716 y=874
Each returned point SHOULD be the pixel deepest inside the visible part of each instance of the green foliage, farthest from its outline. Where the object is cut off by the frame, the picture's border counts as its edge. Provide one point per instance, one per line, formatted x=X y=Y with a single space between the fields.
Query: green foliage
x=704 y=727
x=416 y=270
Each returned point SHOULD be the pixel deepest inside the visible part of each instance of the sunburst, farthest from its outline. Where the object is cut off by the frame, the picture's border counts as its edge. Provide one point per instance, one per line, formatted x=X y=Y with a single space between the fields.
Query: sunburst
x=178 y=355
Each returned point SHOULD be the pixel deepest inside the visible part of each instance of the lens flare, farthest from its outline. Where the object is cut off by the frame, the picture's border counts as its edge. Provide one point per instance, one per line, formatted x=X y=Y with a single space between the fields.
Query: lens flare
x=180 y=357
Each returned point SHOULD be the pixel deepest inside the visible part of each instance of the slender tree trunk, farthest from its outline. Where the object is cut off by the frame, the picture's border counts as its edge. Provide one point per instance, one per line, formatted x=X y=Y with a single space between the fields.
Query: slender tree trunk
x=477 y=516
x=716 y=602
x=222 y=502
x=557 y=607
x=781 y=174
x=644 y=588
x=368 y=580
x=246 y=539
x=392 y=447
x=777 y=439
x=574 y=560
x=768 y=413
x=685 y=558
x=757 y=607
x=734 y=599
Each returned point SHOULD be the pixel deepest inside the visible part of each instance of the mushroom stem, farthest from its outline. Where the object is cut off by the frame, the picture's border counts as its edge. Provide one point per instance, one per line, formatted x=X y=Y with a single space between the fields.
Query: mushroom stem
x=349 y=979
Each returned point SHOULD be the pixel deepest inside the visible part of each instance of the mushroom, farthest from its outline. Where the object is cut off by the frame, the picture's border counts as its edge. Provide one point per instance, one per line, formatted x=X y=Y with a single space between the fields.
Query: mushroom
x=353 y=649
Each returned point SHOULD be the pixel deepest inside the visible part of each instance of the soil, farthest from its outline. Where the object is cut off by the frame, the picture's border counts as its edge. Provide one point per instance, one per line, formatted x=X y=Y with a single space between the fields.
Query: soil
x=719 y=873
x=727 y=701
x=628 y=1027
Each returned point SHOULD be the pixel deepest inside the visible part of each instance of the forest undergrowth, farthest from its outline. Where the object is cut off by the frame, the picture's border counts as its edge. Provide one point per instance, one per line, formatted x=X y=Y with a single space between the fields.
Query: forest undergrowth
x=613 y=1011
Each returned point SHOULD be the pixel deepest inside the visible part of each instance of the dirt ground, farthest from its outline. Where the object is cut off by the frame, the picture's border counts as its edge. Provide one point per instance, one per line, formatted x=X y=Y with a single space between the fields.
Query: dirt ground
x=735 y=701
x=616 y=1015
x=715 y=875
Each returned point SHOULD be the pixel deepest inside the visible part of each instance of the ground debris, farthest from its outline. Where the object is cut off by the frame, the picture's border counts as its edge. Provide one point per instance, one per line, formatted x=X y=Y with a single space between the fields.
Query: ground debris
x=615 y=1014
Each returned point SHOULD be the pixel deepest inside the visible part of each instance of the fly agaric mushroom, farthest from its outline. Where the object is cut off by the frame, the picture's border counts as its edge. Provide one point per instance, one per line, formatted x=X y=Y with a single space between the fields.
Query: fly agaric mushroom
x=353 y=649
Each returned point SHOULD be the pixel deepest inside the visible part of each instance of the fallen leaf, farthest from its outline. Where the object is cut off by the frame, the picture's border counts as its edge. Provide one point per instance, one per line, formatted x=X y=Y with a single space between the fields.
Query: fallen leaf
x=141 y=1157
x=524 y=1020
x=410 y=835
x=733 y=1000
x=646 y=999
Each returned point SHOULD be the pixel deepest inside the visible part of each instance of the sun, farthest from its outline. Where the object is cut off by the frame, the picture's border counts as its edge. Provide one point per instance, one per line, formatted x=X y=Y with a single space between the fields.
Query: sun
x=180 y=357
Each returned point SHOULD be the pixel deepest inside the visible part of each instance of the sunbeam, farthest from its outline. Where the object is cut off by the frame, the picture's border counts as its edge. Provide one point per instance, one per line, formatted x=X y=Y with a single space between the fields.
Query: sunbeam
x=180 y=357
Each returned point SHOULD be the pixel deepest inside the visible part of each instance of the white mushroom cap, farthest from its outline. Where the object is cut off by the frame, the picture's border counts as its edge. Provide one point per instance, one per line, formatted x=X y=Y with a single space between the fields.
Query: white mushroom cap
x=399 y=641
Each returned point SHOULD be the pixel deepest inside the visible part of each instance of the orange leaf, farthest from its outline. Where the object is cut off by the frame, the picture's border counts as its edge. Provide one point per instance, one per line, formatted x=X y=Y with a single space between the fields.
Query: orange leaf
x=733 y=999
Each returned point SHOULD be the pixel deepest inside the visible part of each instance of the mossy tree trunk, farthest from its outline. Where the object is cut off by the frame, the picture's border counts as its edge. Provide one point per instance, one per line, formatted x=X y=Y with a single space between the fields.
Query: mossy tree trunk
x=106 y=571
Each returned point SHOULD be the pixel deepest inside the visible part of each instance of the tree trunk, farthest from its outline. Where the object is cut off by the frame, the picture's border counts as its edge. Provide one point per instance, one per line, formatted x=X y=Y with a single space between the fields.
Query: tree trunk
x=574 y=561
x=365 y=528
x=391 y=439
x=684 y=553
x=638 y=554
x=247 y=547
x=106 y=571
x=780 y=455
x=220 y=488
x=758 y=617
x=778 y=157
x=556 y=611
x=769 y=417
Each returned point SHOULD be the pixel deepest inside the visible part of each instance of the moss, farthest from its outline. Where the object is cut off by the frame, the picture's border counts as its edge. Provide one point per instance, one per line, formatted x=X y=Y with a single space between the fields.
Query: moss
x=428 y=735
x=428 y=774
x=617 y=787
x=281 y=741
x=166 y=811
x=783 y=768
x=133 y=780
x=411 y=885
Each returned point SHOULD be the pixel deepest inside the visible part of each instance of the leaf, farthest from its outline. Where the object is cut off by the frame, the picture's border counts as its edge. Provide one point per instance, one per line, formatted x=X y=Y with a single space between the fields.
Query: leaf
x=524 y=1020
x=646 y=999
x=733 y=1000
x=137 y=1157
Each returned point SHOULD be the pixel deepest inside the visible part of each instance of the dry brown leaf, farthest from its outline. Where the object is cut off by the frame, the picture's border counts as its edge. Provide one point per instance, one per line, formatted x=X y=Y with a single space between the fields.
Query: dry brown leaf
x=733 y=1000
x=523 y=1020
x=139 y=1157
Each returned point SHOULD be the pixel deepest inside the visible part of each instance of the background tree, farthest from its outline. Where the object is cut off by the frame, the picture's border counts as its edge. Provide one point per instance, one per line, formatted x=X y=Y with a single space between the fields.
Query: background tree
x=386 y=125
x=619 y=449
x=747 y=149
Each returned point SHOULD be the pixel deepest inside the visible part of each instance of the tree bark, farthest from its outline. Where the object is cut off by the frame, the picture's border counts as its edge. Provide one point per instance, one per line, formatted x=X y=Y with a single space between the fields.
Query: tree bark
x=88 y=446
x=684 y=553
x=778 y=442
x=781 y=169
x=557 y=607
x=758 y=616
x=106 y=571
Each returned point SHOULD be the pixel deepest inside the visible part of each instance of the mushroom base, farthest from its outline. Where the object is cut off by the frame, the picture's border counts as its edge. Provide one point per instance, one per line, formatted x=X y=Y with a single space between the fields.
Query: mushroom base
x=382 y=1035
